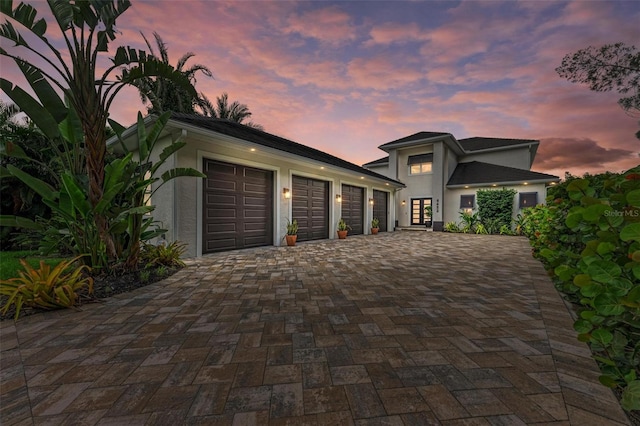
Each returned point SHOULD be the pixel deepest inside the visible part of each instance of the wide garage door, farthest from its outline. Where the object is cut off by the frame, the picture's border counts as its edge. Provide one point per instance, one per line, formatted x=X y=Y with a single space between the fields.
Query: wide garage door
x=238 y=207
x=310 y=207
x=380 y=208
x=353 y=208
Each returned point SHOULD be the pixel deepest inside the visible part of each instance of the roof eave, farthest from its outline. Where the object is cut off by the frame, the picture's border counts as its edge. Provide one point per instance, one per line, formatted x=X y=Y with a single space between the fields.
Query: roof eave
x=395 y=145
x=504 y=147
x=505 y=183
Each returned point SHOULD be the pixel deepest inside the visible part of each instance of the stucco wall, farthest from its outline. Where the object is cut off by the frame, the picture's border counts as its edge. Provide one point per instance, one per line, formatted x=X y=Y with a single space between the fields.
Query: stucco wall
x=187 y=216
x=518 y=157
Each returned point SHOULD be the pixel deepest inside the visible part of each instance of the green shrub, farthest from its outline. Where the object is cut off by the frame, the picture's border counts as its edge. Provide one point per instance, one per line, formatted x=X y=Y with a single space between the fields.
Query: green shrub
x=451 y=227
x=589 y=239
x=45 y=288
x=163 y=255
x=495 y=207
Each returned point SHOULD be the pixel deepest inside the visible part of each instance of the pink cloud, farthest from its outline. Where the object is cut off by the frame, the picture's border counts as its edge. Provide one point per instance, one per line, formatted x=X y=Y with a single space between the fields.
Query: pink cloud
x=330 y=25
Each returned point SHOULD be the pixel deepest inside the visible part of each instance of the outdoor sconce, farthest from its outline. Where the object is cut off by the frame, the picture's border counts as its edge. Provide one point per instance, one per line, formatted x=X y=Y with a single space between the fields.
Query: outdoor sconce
x=371 y=201
x=338 y=198
x=286 y=193
x=404 y=202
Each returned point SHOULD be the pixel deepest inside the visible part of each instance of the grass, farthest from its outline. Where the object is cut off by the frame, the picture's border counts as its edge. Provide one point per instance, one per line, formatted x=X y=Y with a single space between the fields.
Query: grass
x=10 y=262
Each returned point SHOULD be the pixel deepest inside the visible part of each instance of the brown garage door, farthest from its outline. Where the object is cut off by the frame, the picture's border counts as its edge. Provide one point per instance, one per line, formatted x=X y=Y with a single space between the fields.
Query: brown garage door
x=380 y=208
x=310 y=207
x=353 y=208
x=238 y=207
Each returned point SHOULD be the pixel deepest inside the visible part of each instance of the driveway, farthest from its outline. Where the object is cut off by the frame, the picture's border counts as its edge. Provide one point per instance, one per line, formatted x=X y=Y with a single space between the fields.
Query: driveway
x=410 y=328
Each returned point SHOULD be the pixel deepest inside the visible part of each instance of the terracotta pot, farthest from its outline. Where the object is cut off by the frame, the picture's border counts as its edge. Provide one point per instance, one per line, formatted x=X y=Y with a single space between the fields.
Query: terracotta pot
x=291 y=240
x=342 y=234
x=374 y=231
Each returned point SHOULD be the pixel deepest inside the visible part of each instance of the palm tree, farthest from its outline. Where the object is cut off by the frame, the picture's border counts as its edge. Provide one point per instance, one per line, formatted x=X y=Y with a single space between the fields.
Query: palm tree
x=164 y=95
x=87 y=28
x=235 y=111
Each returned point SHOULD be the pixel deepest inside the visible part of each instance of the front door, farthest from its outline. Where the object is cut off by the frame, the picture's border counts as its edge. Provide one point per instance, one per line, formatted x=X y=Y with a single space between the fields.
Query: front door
x=418 y=214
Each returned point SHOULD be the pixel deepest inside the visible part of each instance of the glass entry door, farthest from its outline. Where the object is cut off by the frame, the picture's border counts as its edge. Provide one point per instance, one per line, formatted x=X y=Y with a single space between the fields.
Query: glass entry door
x=418 y=214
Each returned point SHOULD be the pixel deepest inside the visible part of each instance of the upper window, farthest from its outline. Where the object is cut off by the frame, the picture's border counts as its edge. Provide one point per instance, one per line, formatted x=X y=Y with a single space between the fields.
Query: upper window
x=420 y=164
x=528 y=199
x=467 y=201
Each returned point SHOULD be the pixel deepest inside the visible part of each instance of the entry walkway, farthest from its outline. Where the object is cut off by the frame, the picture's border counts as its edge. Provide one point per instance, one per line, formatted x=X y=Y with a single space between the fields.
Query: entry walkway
x=412 y=328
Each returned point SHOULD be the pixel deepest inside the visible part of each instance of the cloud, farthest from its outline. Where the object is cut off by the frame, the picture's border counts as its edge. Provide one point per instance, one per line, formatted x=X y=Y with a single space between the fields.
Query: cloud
x=572 y=153
x=329 y=25
x=389 y=33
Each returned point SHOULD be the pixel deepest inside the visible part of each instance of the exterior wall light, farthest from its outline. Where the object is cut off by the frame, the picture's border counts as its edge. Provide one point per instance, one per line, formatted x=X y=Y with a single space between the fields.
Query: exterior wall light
x=286 y=193
x=404 y=202
x=371 y=201
x=338 y=198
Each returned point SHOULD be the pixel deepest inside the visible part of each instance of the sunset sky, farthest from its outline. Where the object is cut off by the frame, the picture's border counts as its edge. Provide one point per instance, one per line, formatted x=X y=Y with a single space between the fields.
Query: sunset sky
x=346 y=77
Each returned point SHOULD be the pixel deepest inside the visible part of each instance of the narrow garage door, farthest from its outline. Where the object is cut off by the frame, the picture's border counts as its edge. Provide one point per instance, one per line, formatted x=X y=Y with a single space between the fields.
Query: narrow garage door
x=380 y=208
x=310 y=207
x=353 y=208
x=238 y=207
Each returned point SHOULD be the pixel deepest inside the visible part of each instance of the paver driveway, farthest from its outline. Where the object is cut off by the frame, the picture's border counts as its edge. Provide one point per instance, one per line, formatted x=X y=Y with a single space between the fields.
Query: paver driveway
x=400 y=328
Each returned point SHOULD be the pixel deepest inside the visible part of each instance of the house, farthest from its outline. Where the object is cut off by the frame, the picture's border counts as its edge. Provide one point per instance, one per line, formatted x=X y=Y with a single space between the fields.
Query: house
x=257 y=181
x=443 y=172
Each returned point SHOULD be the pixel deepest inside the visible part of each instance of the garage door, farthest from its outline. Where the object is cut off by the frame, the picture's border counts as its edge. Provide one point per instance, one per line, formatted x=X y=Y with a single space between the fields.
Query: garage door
x=310 y=207
x=238 y=207
x=380 y=208
x=353 y=208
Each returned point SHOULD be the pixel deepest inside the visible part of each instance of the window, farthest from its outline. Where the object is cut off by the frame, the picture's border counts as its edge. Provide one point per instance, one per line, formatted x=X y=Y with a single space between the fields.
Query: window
x=528 y=199
x=420 y=164
x=467 y=201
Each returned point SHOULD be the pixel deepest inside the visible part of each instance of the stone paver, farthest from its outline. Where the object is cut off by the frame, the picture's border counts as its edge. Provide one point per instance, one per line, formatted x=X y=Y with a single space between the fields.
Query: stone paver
x=405 y=328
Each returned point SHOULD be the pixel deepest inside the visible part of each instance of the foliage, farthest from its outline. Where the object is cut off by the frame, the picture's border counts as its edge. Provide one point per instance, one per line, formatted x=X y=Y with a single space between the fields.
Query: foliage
x=162 y=94
x=292 y=227
x=375 y=222
x=480 y=229
x=588 y=237
x=163 y=255
x=612 y=66
x=506 y=230
x=342 y=225
x=451 y=227
x=469 y=221
x=87 y=27
x=495 y=207
x=10 y=262
x=235 y=111
x=123 y=206
x=45 y=288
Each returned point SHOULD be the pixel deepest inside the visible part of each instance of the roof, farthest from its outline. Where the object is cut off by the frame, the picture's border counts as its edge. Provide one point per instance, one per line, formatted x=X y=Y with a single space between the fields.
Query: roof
x=260 y=137
x=479 y=143
x=415 y=137
x=476 y=172
x=378 y=162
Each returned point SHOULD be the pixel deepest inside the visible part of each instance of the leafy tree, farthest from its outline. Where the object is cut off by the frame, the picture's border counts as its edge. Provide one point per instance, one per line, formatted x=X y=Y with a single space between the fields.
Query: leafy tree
x=495 y=207
x=87 y=27
x=163 y=94
x=612 y=66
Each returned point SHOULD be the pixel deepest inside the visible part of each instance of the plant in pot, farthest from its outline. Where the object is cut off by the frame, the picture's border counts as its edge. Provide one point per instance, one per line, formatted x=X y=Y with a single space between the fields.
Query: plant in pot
x=343 y=229
x=428 y=210
x=292 y=232
x=375 y=225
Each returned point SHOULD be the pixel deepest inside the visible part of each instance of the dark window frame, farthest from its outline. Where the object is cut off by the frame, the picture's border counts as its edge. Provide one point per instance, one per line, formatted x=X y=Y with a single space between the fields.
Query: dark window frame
x=528 y=199
x=464 y=204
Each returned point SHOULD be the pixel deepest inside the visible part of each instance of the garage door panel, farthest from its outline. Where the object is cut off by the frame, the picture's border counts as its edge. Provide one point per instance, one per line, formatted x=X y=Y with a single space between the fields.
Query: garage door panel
x=380 y=208
x=310 y=207
x=238 y=207
x=353 y=208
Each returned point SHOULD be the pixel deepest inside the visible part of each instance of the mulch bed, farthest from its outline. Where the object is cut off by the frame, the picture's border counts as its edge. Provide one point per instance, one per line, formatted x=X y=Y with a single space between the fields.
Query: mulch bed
x=104 y=286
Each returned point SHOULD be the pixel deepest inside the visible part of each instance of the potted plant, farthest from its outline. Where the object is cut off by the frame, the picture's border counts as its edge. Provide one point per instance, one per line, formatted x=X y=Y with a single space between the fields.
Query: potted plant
x=427 y=216
x=343 y=229
x=375 y=225
x=292 y=232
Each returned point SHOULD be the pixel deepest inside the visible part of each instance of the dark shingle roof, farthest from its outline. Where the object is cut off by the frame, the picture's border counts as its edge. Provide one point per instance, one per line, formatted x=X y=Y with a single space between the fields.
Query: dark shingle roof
x=478 y=143
x=260 y=137
x=378 y=162
x=415 y=137
x=476 y=172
